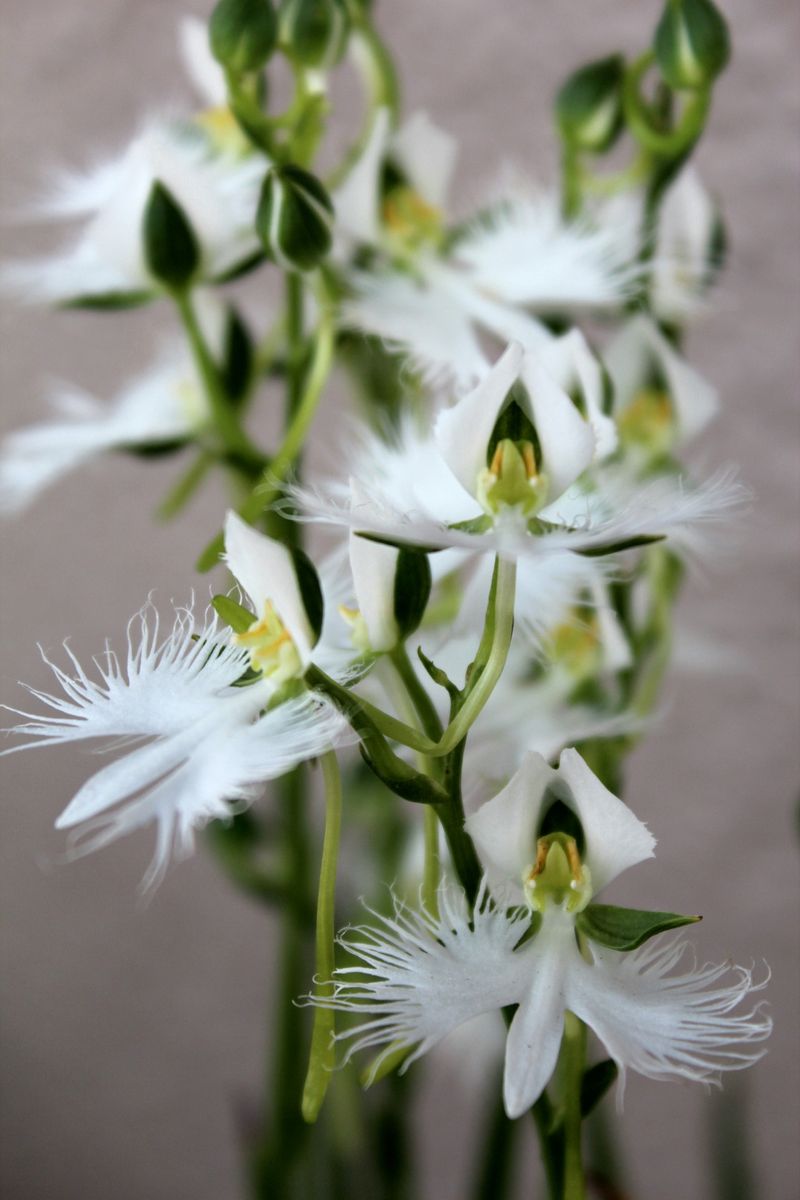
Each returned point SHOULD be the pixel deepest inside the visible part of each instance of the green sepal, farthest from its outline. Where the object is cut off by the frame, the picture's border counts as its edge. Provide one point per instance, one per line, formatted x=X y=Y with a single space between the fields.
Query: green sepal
x=386 y=539
x=481 y=524
x=242 y=34
x=310 y=589
x=155 y=449
x=643 y=539
x=626 y=928
x=109 y=301
x=313 y=32
x=295 y=218
x=237 y=357
x=382 y=1065
x=171 y=250
x=589 y=105
x=403 y=780
x=412 y=589
x=232 y=613
x=240 y=269
x=692 y=44
x=595 y=1083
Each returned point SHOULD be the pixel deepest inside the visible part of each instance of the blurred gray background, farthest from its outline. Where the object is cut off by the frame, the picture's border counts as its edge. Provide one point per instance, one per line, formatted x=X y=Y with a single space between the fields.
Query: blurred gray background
x=130 y=1036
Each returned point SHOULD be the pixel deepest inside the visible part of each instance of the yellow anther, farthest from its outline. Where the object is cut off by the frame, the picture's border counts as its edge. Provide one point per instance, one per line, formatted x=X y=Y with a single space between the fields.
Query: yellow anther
x=529 y=459
x=409 y=218
x=558 y=875
x=271 y=646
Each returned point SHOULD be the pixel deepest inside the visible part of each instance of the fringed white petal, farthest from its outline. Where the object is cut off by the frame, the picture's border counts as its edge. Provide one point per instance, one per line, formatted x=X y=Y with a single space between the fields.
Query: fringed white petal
x=162 y=685
x=524 y=253
x=418 y=976
x=690 y=1025
x=416 y=318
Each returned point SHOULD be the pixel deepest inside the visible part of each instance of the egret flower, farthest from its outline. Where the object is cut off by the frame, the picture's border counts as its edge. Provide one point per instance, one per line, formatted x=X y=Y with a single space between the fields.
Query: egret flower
x=550 y=841
x=218 y=194
x=165 y=404
x=432 y=291
x=502 y=472
x=206 y=740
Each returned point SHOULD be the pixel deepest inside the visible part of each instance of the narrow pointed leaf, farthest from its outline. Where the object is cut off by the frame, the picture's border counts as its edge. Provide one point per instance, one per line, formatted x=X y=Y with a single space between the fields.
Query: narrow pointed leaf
x=626 y=928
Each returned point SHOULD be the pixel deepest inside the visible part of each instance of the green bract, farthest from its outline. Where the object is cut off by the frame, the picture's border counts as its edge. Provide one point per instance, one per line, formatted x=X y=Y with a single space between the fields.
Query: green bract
x=242 y=34
x=589 y=106
x=170 y=245
x=313 y=32
x=294 y=218
x=626 y=928
x=691 y=44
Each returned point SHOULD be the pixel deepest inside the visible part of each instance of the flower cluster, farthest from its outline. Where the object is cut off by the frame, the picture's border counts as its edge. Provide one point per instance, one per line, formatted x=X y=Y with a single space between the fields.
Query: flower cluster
x=510 y=520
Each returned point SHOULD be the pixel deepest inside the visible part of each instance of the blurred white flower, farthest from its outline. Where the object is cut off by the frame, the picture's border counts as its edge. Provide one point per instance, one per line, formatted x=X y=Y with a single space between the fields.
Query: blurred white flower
x=419 y=976
x=209 y=744
x=218 y=194
x=688 y=249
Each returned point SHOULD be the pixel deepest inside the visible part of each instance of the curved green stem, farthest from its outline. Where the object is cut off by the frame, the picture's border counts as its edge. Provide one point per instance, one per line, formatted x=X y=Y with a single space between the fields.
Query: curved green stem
x=322 y=1056
x=667 y=144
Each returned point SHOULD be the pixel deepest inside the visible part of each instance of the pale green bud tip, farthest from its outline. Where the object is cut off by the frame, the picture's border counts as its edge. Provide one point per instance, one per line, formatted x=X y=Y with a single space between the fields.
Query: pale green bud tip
x=691 y=44
x=242 y=34
x=294 y=218
x=589 y=105
x=557 y=876
x=512 y=479
x=171 y=249
x=314 y=32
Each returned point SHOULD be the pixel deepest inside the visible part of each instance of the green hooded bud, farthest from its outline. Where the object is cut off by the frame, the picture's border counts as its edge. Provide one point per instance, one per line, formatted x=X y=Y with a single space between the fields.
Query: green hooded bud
x=171 y=250
x=294 y=218
x=692 y=44
x=314 y=32
x=589 y=105
x=243 y=34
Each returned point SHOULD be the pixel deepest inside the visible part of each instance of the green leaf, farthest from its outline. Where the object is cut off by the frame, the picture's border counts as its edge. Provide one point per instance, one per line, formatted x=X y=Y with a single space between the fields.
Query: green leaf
x=643 y=539
x=109 y=301
x=240 y=619
x=626 y=928
x=595 y=1083
x=412 y=589
x=171 y=250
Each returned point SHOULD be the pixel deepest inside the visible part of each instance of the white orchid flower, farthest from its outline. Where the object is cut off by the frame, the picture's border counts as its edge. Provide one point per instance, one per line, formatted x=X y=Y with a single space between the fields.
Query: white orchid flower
x=164 y=404
x=106 y=259
x=687 y=251
x=296 y=613
x=208 y=745
x=660 y=401
x=466 y=482
x=203 y=71
x=529 y=943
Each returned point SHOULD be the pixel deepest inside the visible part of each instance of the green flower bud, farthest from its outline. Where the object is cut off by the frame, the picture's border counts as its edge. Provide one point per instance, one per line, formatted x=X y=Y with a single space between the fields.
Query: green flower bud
x=589 y=105
x=691 y=44
x=294 y=218
x=242 y=34
x=171 y=250
x=314 y=32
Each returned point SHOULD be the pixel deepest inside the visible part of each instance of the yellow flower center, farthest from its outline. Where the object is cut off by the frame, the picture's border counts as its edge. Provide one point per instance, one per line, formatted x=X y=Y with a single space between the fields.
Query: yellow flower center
x=648 y=422
x=409 y=219
x=358 y=628
x=222 y=130
x=557 y=876
x=512 y=479
x=271 y=647
x=575 y=645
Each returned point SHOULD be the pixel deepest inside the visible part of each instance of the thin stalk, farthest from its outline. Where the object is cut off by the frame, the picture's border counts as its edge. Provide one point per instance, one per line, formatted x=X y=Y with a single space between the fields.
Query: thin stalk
x=322 y=1056
x=225 y=420
x=495 y=1172
x=573 y=1054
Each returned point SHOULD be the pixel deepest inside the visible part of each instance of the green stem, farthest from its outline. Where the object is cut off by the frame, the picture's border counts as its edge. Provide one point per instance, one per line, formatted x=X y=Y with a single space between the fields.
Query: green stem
x=495 y=1173
x=573 y=1053
x=182 y=491
x=415 y=690
x=667 y=144
x=322 y=1056
x=226 y=422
